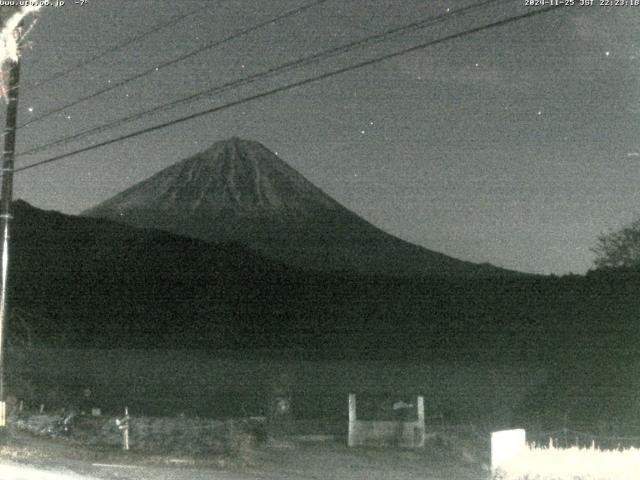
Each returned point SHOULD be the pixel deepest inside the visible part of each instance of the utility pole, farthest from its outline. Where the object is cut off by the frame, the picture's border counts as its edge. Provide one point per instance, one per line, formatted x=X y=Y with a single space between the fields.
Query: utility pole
x=5 y=210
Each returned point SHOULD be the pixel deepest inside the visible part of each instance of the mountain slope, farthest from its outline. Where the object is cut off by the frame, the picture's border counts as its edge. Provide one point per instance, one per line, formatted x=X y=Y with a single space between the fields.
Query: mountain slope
x=99 y=283
x=239 y=191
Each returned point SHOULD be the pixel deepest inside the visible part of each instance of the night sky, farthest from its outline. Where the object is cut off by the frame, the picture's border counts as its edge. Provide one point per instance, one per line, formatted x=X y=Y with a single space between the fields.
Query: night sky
x=516 y=146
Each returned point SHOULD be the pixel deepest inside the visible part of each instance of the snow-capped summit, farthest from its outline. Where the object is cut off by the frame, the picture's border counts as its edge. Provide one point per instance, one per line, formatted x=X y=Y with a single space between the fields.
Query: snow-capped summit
x=235 y=175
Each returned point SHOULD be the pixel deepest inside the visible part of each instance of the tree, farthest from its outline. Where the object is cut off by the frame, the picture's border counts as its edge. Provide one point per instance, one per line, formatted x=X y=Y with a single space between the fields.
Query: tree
x=8 y=44
x=10 y=18
x=619 y=249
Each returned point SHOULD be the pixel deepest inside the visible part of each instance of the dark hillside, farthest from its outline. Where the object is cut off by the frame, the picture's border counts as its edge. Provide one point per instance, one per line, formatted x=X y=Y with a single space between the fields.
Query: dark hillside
x=105 y=284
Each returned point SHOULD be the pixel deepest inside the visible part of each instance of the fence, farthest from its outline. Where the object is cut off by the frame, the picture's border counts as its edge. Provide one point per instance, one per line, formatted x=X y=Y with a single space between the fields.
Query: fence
x=147 y=434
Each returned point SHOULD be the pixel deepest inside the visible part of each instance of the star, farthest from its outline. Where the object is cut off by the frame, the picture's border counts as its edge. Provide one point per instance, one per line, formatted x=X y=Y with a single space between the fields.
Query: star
x=362 y=132
x=539 y=112
x=607 y=53
x=30 y=109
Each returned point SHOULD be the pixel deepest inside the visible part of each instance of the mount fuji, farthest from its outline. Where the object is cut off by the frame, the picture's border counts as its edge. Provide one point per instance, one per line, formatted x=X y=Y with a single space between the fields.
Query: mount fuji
x=239 y=191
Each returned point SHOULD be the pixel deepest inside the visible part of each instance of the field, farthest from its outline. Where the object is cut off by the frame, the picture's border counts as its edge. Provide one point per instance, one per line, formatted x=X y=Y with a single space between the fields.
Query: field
x=167 y=383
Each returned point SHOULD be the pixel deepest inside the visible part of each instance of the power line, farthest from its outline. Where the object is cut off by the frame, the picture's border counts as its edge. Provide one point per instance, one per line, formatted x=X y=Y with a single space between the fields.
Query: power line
x=115 y=48
x=175 y=60
x=290 y=86
x=303 y=61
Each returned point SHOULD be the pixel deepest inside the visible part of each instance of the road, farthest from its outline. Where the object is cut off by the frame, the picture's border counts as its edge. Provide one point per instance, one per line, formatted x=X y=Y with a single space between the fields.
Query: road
x=79 y=471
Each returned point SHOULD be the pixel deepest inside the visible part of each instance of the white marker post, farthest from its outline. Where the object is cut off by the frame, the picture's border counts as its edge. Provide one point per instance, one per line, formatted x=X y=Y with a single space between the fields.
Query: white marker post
x=352 y=420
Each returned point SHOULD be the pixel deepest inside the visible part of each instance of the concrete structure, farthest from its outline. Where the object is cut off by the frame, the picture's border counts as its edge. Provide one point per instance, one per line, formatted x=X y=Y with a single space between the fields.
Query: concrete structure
x=505 y=445
x=386 y=432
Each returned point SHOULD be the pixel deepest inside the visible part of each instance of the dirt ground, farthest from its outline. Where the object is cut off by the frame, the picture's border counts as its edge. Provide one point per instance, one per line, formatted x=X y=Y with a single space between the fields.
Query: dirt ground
x=28 y=457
